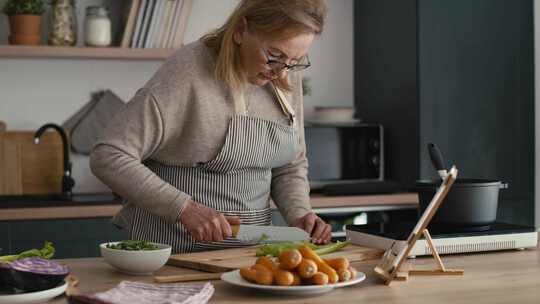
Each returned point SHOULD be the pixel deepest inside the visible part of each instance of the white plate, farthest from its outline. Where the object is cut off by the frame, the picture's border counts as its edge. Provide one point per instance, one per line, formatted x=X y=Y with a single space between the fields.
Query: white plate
x=234 y=278
x=33 y=297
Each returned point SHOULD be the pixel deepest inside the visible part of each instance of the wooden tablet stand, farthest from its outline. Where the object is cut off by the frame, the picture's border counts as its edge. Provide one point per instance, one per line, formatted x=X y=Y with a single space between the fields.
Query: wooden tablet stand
x=390 y=267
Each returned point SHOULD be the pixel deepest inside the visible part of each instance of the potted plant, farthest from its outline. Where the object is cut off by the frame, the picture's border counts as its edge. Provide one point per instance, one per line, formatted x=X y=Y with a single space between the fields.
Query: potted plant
x=24 y=21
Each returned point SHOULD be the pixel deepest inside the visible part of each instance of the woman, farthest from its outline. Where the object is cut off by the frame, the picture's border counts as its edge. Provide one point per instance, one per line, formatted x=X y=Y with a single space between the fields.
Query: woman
x=217 y=132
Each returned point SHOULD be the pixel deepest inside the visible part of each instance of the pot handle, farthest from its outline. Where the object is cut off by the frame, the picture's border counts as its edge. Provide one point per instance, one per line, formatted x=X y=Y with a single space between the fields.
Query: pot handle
x=503 y=185
x=437 y=160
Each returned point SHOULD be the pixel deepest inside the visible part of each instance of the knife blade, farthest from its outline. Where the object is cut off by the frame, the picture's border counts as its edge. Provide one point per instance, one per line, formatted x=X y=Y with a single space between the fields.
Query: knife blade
x=268 y=234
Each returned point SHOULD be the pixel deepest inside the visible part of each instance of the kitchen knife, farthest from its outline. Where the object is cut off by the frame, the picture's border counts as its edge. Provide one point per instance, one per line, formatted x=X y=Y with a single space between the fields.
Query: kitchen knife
x=268 y=234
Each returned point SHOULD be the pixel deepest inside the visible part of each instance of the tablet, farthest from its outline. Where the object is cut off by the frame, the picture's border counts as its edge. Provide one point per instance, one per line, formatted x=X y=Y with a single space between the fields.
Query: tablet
x=398 y=251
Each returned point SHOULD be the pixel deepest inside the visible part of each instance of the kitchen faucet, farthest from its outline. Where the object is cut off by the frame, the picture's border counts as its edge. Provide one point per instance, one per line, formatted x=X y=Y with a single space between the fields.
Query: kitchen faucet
x=67 y=180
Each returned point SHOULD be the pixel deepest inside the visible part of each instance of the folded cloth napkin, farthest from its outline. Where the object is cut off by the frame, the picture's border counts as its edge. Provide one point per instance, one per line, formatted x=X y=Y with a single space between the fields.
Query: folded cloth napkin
x=86 y=125
x=142 y=293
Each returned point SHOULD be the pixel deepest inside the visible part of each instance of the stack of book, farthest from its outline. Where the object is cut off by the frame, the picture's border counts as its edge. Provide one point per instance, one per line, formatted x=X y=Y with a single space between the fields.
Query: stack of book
x=156 y=23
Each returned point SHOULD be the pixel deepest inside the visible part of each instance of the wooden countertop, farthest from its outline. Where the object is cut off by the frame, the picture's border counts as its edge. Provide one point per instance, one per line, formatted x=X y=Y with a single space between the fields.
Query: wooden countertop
x=46 y=212
x=398 y=200
x=495 y=277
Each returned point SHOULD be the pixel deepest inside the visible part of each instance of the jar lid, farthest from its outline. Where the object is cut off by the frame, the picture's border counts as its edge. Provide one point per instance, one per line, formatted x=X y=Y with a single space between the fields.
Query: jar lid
x=99 y=11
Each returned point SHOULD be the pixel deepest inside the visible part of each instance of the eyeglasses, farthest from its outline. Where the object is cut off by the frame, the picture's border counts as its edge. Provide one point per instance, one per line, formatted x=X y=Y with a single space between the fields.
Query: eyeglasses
x=278 y=66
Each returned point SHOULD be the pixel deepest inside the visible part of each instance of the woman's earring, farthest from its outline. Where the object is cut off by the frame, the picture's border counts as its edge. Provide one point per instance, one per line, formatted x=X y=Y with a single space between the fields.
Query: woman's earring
x=237 y=37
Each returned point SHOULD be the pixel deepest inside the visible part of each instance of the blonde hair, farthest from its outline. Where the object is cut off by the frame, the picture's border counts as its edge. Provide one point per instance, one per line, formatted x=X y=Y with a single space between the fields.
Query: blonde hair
x=270 y=18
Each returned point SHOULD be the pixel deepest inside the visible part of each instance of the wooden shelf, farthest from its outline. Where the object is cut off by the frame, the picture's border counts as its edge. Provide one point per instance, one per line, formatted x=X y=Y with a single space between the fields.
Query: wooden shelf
x=16 y=51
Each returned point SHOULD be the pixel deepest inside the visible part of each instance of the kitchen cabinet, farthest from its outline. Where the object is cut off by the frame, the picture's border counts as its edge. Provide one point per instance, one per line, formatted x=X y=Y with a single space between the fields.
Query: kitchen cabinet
x=80 y=237
x=4 y=238
x=71 y=237
x=83 y=226
x=456 y=73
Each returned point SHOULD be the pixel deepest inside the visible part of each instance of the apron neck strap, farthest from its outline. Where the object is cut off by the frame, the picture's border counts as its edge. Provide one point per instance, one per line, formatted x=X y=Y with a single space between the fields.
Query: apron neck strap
x=284 y=104
x=240 y=103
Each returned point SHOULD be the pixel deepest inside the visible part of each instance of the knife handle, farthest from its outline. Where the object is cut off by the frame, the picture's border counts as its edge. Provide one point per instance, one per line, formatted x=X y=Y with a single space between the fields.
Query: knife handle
x=188 y=277
x=235 y=229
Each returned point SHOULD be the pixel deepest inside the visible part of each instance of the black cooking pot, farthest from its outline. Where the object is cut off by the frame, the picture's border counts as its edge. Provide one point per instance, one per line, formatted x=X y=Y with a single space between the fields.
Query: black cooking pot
x=469 y=203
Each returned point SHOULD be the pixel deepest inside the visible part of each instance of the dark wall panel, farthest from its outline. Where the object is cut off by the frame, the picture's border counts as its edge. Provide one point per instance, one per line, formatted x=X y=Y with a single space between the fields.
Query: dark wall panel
x=385 y=78
x=476 y=90
x=457 y=73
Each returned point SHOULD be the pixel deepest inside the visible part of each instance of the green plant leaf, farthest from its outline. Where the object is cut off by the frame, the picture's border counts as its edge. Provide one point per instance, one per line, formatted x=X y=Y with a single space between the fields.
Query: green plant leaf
x=24 y=7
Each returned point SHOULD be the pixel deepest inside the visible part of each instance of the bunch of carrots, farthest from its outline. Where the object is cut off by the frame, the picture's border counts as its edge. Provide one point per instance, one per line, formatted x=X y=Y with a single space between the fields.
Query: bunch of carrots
x=297 y=267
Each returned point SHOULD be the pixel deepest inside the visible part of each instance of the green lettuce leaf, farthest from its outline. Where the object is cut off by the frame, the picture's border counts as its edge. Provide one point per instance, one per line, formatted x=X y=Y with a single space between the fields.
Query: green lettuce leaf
x=46 y=252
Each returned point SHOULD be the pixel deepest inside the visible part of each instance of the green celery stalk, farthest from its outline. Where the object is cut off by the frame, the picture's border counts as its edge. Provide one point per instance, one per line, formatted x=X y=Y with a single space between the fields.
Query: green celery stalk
x=275 y=249
x=322 y=250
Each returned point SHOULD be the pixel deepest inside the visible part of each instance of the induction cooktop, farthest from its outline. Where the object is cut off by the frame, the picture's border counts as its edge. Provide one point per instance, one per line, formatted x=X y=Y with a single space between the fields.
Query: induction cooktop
x=498 y=236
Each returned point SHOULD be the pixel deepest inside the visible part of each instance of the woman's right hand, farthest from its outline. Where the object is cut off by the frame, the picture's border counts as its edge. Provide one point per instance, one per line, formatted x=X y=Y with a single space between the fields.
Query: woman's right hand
x=206 y=224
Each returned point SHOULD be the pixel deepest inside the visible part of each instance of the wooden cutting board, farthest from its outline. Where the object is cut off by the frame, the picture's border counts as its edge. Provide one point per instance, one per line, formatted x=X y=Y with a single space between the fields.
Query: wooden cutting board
x=231 y=259
x=27 y=168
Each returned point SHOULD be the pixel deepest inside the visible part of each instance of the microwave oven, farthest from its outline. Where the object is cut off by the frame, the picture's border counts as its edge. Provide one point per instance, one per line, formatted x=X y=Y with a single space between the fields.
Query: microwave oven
x=342 y=154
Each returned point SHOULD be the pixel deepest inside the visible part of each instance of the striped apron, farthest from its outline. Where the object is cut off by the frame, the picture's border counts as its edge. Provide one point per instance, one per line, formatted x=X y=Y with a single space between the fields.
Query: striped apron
x=236 y=182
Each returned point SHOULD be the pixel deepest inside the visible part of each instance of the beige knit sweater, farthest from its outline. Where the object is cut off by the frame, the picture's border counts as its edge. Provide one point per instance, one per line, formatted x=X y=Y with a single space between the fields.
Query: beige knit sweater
x=180 y=117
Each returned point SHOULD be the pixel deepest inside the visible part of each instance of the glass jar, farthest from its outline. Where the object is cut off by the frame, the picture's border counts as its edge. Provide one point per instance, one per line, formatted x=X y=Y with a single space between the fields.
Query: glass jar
x=63 y=29
x=97 y=26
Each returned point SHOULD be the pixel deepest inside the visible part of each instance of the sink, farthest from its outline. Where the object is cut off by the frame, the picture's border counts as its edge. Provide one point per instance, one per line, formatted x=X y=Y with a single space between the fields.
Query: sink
x=46 y=200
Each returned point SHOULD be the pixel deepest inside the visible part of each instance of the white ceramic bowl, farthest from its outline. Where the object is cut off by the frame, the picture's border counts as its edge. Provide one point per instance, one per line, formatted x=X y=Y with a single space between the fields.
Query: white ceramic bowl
x=136 y=262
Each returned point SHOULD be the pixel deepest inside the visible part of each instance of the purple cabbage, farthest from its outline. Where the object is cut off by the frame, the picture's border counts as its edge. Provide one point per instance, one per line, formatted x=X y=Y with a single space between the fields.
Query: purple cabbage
x=35 y=273
x=6 y=278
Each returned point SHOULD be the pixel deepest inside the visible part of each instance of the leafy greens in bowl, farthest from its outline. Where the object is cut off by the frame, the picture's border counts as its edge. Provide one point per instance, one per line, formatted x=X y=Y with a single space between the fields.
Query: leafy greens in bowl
x=135 y=257
x=133 y=245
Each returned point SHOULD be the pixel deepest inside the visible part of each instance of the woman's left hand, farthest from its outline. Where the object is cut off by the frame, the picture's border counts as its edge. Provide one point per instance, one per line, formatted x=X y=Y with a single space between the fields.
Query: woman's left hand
x=320 y=232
